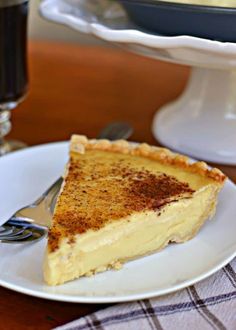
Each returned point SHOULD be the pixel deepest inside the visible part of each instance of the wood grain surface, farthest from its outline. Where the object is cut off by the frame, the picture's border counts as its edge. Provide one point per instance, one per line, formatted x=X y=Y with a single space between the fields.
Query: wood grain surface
x=77 y=89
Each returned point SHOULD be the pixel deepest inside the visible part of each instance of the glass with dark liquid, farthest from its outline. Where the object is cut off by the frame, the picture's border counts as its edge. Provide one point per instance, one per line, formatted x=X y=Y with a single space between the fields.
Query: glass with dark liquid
x=13 y=64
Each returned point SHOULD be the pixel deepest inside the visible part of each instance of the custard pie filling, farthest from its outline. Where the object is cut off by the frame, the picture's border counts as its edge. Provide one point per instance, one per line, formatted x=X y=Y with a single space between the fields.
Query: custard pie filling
x=120 y=202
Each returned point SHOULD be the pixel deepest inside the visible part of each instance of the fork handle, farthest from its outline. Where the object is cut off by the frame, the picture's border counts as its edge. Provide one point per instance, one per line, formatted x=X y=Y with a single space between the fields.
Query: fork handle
x=49 y=191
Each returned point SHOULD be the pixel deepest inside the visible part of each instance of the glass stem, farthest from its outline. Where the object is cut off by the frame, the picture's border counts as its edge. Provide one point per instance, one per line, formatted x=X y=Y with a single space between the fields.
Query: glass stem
x=5 y=127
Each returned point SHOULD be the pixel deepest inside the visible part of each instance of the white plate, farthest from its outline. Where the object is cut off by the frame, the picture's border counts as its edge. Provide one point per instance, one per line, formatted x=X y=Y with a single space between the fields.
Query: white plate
x=108 y=21
x=24 y=175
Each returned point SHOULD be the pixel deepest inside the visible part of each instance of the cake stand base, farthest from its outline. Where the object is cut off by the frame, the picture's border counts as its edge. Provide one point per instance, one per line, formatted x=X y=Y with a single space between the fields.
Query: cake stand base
x=202 y=122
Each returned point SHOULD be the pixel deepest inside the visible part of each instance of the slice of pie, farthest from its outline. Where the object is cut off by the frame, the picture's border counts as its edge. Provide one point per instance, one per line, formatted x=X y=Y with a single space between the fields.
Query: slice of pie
x=121 y=201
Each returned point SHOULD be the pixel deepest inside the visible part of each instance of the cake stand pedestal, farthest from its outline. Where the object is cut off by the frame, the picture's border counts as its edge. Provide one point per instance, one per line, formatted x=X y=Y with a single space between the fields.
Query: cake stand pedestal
x=202 y=121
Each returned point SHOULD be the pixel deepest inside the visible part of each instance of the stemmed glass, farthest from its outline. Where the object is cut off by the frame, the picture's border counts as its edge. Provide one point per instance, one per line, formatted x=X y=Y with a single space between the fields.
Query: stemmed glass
x=13 y=65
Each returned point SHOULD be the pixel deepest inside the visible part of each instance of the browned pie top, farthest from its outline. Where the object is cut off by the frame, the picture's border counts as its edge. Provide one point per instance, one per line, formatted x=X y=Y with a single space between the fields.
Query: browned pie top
x=104 y=186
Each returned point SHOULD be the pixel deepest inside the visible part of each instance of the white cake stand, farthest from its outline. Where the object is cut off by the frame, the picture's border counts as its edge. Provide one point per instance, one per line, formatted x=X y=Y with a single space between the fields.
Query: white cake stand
x=202 y=122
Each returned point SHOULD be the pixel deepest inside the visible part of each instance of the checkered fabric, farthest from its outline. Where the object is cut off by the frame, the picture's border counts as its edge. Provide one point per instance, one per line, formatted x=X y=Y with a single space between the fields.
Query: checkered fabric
x=210 y=304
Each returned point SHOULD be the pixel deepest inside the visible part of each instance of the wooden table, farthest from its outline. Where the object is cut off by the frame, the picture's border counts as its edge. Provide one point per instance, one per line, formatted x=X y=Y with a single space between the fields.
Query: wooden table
x=79 y=90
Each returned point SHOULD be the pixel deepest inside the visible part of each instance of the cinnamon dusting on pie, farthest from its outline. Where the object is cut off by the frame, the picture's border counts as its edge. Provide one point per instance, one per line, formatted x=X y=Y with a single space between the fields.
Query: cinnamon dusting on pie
x=99 y=192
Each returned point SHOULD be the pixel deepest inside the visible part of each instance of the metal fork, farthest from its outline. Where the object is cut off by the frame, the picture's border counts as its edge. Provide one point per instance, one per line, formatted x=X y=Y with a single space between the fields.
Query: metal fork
x=31 y=223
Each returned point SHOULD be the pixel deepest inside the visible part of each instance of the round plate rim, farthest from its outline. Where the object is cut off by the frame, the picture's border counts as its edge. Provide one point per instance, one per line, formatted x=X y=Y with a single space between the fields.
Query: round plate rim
x=116 y=299
x=107 y=299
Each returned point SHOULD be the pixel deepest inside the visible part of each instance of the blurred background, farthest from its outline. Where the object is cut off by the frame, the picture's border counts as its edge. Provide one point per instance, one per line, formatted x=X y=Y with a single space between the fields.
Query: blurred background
x=40 y=29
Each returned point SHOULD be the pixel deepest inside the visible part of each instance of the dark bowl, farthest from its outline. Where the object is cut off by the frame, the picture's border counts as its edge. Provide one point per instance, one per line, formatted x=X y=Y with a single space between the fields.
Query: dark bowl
x=173 y=19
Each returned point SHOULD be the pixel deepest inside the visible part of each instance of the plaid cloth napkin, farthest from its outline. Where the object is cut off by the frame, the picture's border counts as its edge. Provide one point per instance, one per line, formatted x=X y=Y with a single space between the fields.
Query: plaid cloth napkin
x=210 y=304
